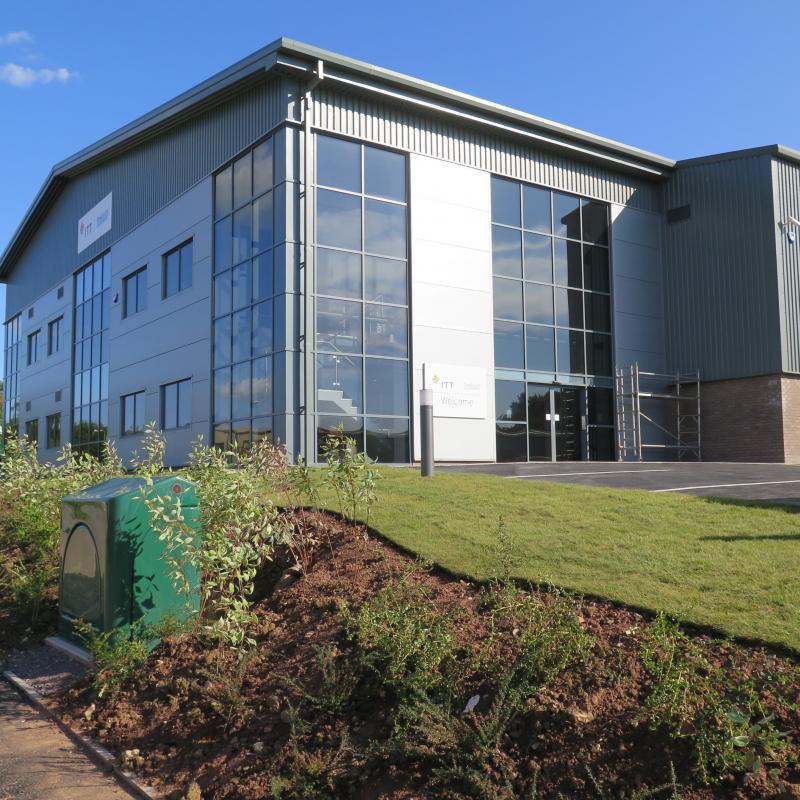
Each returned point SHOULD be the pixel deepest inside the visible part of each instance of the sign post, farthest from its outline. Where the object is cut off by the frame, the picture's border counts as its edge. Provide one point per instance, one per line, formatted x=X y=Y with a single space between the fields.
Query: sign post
x=426 y=431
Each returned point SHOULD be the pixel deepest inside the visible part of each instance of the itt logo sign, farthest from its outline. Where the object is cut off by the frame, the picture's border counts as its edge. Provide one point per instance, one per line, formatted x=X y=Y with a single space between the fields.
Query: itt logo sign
x=94 y=223
x=457 y=391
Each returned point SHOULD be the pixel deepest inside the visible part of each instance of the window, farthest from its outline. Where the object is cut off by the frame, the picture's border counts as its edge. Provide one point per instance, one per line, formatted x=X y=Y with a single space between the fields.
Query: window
x=90 y=356
x=132 y=413
x=176 y=404
x=134 y=292
x=33 y=347
x=244 y=242
x=11 y=375
x=551 y=279
x=361 y=297
x=177 y=269
x=54 y=430
x=54 y=336
x=32 y=431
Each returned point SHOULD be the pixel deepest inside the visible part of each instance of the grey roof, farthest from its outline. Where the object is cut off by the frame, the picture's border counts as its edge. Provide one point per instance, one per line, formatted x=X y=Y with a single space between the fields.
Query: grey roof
x=287 y=55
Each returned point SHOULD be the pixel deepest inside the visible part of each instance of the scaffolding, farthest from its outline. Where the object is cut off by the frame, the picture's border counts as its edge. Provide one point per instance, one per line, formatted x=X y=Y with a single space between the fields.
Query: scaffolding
x=645 y=401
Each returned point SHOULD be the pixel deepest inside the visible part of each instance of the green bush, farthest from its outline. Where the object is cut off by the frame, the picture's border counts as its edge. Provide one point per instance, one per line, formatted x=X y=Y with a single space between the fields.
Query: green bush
x=724 y=721
x=118 y=655
x=350 y=474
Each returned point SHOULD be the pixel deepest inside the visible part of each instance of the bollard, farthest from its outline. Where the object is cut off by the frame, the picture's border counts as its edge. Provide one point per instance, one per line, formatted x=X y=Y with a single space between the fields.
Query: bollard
x=426 y=431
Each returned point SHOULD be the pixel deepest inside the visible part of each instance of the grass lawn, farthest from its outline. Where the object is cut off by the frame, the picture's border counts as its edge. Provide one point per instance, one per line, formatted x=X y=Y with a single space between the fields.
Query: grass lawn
x=729 y=565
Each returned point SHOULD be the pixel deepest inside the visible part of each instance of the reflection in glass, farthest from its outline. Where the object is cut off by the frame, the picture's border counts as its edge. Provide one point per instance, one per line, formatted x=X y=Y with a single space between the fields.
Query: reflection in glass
x=262 y=328
x=338 y=273
x=339 y=384
x=541 y=350
x=385 y=331
x=223 y=247
x=338 y=220
x=539 y=303
x=222 y=394
x=338 y=163
x=384 y=228
x=385 y=280
x=598 y=312
x=262 y=276
x=569 y=308
x=338 y=325
x=384 y=174
x=566 y=216
x=328 y=425
x=505 y=201
x=536 y=209
x=569 y=351
x=595 y=268
x=241 y=335
x=387 y=439
x=262 y=386
x=507 y=299
x=242 y=180
x=386 y=386
x=242 y=234
x=538 y=258
x=509 y=345
x=595 y=222
x=506 y=252
x=567 y=263
x=262 y=167
x=241 y=285
x=509 y=400
x=262 y=223
x=240 y=393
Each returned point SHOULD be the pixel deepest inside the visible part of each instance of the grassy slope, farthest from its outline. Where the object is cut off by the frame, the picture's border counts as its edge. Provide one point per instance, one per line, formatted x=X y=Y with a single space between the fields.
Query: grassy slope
x=731 y=566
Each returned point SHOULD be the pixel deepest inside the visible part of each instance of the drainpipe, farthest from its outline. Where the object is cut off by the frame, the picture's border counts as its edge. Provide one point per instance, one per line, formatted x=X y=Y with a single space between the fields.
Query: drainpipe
x=307 y=326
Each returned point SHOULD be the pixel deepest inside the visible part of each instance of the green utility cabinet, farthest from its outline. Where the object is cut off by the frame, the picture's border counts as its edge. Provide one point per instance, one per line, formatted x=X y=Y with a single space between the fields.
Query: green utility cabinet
x=112 y=570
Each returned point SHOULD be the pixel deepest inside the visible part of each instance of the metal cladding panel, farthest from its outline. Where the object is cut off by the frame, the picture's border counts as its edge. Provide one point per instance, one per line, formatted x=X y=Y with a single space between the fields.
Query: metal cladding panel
x=786 y=178
x=143 y=180
x=432 y=135
x=720 y=288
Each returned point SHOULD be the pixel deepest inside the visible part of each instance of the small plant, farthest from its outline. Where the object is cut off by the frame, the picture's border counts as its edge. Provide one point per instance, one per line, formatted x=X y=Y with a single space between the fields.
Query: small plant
x=403 y=639
x=240 y=529
x=351 y=474
x=224 y=688
x=118 y=655
x=154 y=446
x=725 y=722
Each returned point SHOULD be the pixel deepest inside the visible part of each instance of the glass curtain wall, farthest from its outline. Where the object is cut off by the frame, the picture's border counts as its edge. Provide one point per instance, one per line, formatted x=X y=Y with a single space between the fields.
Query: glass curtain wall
x=552 y=314
x=90 y=356
x=11 y=375
x=361 y=296
x=243 y=297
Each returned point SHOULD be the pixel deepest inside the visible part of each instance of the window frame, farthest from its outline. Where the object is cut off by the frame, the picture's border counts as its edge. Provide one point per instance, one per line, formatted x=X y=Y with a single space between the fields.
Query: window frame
x=137 y=275
x=53 y=442
x=179 y=384
x=179 y=249
x=33 y=348
x=124 y=432
x=54 y=325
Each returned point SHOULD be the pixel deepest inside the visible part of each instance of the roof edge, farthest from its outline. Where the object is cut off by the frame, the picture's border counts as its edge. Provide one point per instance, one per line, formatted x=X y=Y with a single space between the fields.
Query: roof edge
x=772 y=150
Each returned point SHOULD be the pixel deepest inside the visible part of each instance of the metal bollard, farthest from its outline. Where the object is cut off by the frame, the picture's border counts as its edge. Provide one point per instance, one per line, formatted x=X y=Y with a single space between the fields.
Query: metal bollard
x=426 y=431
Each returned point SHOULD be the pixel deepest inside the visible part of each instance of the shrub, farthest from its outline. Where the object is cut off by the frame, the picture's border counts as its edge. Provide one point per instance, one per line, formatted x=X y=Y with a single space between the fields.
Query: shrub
x=725 y=722
x=240 y=528
x=350 y=474
x=118 y=655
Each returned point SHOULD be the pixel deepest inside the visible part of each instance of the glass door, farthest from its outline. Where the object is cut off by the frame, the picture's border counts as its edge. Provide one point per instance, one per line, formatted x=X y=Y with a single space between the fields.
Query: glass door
x=567 y=415
x=555 y=430
x=540 y=433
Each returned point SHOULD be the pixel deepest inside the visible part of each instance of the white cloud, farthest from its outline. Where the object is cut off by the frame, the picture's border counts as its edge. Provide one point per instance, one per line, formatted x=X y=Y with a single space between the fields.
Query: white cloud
x=16 y=37
x=24 y=77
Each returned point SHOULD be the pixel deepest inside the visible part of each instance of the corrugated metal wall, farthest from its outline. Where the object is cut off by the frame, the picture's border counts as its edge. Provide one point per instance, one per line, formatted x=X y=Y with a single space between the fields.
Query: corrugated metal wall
x=430 y=135
x=721 y=292
x=143 y=180
x=786 y=178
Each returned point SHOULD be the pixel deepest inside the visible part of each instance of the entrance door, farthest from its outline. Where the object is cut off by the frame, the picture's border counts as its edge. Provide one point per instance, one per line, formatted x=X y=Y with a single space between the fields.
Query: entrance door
x=554 y=423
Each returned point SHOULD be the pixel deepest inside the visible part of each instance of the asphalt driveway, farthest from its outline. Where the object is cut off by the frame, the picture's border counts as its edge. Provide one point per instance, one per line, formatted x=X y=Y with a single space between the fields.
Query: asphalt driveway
x=775 y=483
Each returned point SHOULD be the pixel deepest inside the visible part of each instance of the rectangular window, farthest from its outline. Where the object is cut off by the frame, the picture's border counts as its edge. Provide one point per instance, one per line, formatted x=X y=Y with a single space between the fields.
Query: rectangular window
x=33 y=347
x=176 y=404
x=11 y=359
x=134 y=292
x=177 y=269
x=32 y=431
x=244 y=245
x=54 y=336
x=361 y=303
x=54 y=430
x=132 y=413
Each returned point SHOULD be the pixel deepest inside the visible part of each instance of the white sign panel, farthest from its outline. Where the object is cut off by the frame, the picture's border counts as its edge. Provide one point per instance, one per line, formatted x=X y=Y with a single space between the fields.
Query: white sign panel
x=93 y=224
x=457 y=391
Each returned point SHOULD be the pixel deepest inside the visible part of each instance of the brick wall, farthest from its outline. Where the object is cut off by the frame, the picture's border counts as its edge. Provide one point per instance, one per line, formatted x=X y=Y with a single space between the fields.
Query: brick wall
x=742 y=419
x=790 y=393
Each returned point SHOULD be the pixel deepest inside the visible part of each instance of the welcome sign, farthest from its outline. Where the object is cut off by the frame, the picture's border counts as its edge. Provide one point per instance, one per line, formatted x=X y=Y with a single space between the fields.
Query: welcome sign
x=457 y=391
x=93 y=224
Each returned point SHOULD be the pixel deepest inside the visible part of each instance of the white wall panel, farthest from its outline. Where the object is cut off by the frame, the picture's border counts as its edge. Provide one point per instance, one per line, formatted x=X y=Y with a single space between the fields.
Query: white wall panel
x=451 y=293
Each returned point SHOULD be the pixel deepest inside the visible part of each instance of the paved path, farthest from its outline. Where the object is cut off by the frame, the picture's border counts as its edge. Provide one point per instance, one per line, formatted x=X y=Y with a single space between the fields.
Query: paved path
x=38 y=761
x=774 y=483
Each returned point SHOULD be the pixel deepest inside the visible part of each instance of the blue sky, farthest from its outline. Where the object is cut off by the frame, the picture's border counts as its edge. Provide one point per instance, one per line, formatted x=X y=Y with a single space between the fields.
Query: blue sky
x=680 y=78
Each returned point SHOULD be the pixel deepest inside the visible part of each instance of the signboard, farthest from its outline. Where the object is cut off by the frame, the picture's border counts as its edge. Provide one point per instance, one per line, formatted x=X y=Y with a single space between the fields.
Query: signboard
x=457 y=391
x=93 y=224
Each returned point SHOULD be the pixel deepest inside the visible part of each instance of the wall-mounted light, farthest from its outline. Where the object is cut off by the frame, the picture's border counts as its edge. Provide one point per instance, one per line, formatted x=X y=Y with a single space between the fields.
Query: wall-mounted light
x=790 y=228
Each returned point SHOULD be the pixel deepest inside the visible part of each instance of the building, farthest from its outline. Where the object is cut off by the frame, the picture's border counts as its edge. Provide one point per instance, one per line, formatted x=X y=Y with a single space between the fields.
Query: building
x=290 y=245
